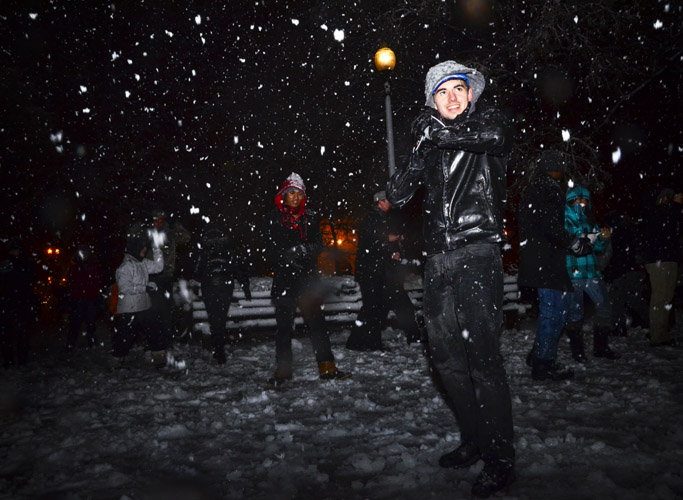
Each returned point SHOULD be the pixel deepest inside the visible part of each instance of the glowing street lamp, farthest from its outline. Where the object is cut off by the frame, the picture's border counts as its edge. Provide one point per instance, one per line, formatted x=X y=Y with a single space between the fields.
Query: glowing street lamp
x=385 y=59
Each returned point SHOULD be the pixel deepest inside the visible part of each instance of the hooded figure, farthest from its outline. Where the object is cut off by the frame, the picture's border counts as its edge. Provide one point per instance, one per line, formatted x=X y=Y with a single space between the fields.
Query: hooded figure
x=460 y=158
x=451 y=70
x=584 y=272
x=84 y=289
x=293 y=242
x=133 y=306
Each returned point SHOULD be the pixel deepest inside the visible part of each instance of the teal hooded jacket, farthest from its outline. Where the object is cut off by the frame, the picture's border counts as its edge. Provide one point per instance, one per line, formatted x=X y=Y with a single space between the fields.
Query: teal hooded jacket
x=576 y=222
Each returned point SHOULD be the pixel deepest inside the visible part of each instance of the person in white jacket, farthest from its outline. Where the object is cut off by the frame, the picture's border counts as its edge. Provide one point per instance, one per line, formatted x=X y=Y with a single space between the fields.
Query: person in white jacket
x=132 y=278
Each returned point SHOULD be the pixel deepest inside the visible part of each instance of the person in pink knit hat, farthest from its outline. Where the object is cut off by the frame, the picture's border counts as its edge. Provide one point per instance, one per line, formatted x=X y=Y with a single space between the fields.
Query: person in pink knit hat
x=292 y=242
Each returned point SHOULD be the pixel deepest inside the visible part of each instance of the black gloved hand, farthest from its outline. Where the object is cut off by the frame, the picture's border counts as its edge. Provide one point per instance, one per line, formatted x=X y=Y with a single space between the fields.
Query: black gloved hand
x=581 y=246
x=423 y=122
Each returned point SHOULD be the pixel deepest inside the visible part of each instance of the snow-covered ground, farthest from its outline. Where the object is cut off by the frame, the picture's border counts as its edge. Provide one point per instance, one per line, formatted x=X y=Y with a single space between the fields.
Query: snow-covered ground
x=70 y=429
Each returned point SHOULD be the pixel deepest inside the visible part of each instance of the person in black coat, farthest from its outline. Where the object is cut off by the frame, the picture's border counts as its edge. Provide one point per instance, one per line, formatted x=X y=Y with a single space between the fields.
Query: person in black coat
x=377 y=274
x=217 y=267
x=19 y=305
x=292 y=242
x=543 y=245
x=625 y=272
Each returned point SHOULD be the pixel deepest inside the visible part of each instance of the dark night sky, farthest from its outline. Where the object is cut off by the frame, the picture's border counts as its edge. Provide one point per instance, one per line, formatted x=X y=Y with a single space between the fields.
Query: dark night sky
x=113 y=108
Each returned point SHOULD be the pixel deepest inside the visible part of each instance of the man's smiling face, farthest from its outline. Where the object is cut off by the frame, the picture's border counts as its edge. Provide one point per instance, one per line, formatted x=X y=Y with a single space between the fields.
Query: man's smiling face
x=451 y=98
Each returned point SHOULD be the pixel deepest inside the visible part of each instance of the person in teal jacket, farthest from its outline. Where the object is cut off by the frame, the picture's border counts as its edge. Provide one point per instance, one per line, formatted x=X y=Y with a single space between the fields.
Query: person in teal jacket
x=586 y=278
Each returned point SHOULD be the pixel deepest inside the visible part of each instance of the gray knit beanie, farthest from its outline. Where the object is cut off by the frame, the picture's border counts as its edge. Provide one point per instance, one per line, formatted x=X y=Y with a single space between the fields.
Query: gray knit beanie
x=449 y=70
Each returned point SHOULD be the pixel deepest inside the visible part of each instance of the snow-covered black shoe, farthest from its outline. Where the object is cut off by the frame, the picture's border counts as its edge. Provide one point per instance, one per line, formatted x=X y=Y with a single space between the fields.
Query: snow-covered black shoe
x=601 y=346
x=281 y=377
x=550 y=370
x=219 y=356
x=278 y=382
x=159 y=359
x=463 y=456
x=495 y=476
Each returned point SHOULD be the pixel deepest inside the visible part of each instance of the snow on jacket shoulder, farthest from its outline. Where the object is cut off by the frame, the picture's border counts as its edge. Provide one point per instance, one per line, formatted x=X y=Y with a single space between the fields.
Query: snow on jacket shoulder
x=132 y=277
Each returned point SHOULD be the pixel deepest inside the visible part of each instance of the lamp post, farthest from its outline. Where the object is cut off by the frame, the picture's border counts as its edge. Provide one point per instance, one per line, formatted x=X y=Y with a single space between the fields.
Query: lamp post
x=385 y=59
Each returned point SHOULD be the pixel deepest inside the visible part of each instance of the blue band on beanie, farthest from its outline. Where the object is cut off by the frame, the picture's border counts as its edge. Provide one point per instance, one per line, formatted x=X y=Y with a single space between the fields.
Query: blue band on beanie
x=456 y=76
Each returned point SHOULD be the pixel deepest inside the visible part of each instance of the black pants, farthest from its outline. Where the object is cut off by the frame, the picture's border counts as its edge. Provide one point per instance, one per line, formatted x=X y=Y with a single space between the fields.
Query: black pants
x=217 y=301
x=379 y=297
x=129 y=326
x=463 y=308
x=285 y=309
x=82 y=310
x=162 y=304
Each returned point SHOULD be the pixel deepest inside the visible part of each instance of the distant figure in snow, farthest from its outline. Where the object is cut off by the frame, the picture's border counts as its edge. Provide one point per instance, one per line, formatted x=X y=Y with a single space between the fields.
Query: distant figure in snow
x=292 y=242
x=663 y=226
x=135 y=317
x=460 y=157
x=543 y=244
x=217 y=267
x=586 y=277
x=626 y=275
x=84 y=291
x=377 y=260
x=170 y=236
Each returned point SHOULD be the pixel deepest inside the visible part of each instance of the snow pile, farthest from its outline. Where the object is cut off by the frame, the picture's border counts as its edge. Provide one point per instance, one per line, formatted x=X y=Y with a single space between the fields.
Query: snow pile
x=73 y=430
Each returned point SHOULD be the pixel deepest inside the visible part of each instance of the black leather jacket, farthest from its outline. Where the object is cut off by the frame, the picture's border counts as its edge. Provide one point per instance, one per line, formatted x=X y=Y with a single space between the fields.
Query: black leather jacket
x=463 y=168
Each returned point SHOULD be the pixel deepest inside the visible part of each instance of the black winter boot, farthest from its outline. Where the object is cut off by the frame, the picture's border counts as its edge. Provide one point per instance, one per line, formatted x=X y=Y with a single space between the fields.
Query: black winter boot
x=543 y=369
x=600 y=347
x=494 y=477
x=219 y=355
x=575 y=336
x=619 y=329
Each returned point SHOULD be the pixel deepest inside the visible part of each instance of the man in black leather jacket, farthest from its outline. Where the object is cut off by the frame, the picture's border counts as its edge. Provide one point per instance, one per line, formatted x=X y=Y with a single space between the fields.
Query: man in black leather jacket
x=460 y=157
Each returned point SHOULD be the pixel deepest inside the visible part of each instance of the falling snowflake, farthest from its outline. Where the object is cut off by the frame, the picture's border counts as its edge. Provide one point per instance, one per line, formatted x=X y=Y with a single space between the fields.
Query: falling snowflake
x=616 y=156
x=565 y=135
x=339 y=35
